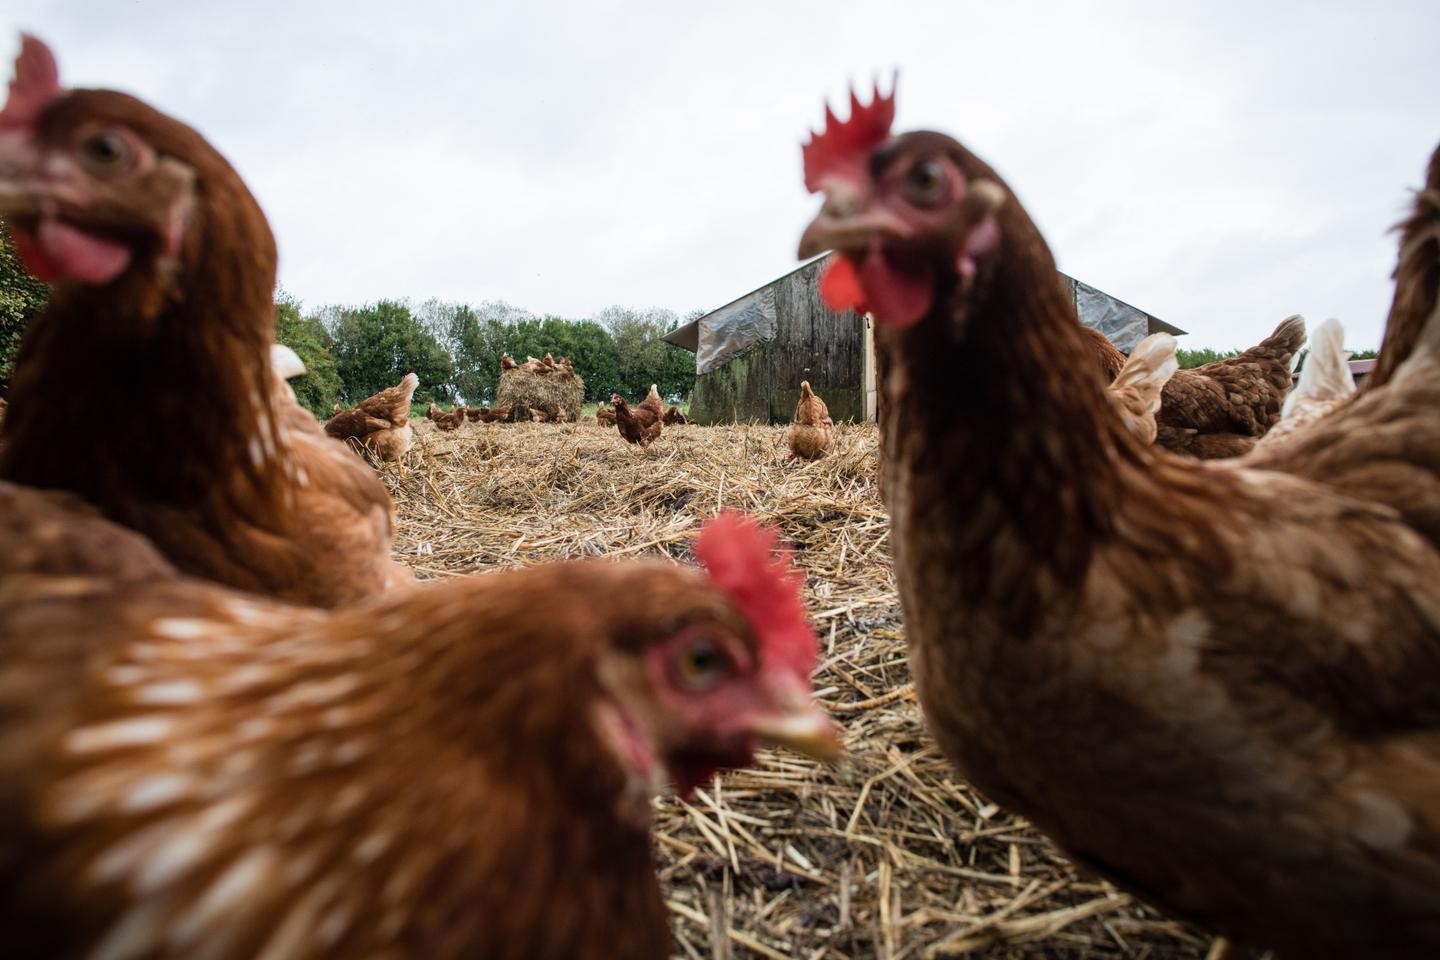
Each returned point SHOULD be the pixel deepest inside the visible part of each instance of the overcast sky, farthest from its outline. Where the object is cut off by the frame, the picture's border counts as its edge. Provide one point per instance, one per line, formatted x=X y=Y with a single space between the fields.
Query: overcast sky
x=1220 y=168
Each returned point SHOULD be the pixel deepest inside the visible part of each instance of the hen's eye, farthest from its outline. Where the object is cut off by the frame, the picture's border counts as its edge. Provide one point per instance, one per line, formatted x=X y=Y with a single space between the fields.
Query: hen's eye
x=701 y=665
x=926 y=182
x=105 y=152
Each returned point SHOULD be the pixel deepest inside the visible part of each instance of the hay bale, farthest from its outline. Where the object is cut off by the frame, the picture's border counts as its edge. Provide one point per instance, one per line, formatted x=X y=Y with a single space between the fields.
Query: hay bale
x=558 y=393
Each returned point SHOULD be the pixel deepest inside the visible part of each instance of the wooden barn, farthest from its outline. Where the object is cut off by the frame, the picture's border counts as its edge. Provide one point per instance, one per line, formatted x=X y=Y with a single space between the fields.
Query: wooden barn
x=752 y=353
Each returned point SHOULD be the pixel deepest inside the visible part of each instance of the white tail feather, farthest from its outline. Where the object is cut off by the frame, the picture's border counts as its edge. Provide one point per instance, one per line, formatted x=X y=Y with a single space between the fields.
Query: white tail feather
x=1326 y=375
x=285 y=362
x=1151 y=365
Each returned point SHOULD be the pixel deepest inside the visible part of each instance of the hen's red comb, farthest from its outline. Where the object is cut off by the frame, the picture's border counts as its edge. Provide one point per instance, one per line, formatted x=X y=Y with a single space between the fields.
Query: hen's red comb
x=36 y=84
x=741 y=559
x=841 y=148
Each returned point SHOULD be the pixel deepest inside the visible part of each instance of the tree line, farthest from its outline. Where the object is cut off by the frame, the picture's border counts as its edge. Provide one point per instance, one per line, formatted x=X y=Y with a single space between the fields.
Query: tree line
x=352 y=352
x=455 y=349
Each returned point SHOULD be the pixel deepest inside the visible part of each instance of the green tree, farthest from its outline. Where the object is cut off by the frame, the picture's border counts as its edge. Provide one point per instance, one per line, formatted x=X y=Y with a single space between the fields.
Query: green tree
x=644 y=358
x=1198 y=358
x=21 y=298
x=376 y=345
x=319 y=388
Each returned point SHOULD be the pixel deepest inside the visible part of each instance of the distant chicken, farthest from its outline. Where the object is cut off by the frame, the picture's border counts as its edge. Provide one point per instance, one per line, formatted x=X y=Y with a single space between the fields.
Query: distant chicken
x=450 y=420
x=381 y=423
x=189 y=771
x=640 y=425
x=164 y=273
x=1137 y=388
x=1213 y=683
x=1325 y=385
x=653 y=403
x=493 y=414
x=675 y=417
x=1222 y=408
x=812 y=433
x=604 y=415
x=567 y=369
x=507 y=362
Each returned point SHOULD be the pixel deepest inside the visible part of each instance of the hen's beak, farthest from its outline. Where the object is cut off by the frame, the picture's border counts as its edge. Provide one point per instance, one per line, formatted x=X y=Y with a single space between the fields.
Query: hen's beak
x=811 y=733
x=799 y=723
x=844 y=223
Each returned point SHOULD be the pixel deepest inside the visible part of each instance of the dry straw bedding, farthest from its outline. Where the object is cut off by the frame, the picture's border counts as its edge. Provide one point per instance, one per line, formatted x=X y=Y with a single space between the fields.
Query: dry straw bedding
x=888 y=854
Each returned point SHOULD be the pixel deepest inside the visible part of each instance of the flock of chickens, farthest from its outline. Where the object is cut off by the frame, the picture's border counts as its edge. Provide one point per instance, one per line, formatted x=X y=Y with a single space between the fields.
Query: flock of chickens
x=231 y=726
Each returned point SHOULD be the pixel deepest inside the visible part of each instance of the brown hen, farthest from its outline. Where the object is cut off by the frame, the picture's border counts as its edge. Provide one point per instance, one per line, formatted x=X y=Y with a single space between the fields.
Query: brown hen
x=1217 y=685
x=380 y=423
x=812 y=433
x=1222 y=408
x=189 y=771
x=641 y=425
x=164 y=270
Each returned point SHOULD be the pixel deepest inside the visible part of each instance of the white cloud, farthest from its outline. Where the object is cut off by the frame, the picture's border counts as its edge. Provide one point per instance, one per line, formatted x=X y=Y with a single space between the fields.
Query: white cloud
x=1220 y=167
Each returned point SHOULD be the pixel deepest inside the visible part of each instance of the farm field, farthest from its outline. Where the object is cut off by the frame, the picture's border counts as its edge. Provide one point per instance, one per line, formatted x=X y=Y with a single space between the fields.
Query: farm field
x=886 y=855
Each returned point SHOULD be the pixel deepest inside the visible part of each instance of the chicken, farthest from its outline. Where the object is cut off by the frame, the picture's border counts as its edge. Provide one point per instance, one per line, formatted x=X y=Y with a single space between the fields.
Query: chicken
x=1325 y=385
x=380 y=423
x=604 y=415
x=1137 y=387
x=164 y=272
x=1222 y=408
x=1417 y=277
x=567 y=369
x=674 y=417
x=507 y=362
x=812 y=433
x=539 y=415
x=445 y=420
x=495 y=414
x=473 y=413
x=653 y=403
x=1212 y=683
x=641 y=425
x=190 y=771
x=549 y=362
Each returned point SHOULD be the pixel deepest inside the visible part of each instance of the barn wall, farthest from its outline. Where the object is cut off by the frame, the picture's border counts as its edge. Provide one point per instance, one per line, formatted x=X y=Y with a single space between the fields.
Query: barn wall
x=811 y=343
x=738 y=392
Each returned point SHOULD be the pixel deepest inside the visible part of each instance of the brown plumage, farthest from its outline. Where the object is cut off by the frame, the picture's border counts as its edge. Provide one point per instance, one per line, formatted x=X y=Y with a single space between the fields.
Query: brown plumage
x=488 y=414
x=1213 y=683
x=639 y=425
x=812 y=433
x=653 y=403
x=1222 y=408
x=186 y=770
x=381 y=422
x=445 y=420
x=221 y=469
x=1417 y=276
x=604 y=415
x=675 y=417
x=507 y=362
x=1325 y=385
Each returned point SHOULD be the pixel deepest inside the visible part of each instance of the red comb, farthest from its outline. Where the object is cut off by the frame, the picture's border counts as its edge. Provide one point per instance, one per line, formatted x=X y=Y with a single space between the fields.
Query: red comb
x=841 y=148
x=741 y=559
x=36 y=84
